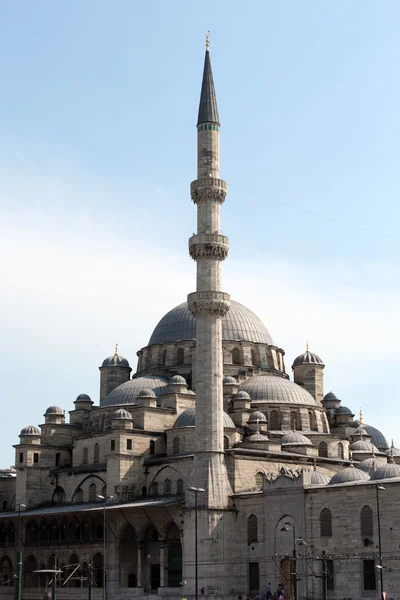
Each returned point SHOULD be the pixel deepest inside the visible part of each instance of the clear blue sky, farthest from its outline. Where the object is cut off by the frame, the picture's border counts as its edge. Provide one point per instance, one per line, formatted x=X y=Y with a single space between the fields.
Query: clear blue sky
x=97 y=149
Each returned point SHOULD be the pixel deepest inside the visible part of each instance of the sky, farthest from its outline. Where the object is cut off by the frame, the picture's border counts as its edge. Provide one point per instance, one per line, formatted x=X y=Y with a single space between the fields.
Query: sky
x=97 y=151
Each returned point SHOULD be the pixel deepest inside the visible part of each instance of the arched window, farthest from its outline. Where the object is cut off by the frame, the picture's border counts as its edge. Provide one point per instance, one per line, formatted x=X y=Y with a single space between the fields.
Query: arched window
x=175 y=445
x=180 y=356
x=6 y=574
x=294 y=423
x=59 y=495
x=179 y=486
x=97 y=564
x=58 y=459
x=154 y=488
x=313 y=420
x=274 y=420
x=78 y=496
x=236 y=356
x=85 y=459
x=92 y=492
x=163 y=358
x=167 y=487
x=226 y=442
x=152 y=447
x=96 y=453
x=10 y=533
x=252 y=529
x=326 y=523
x=253 y=358
x=367 y=522
x=259 y=479
x=340 y=450
x=323 y=450
x=31 y=534
x=30 y=577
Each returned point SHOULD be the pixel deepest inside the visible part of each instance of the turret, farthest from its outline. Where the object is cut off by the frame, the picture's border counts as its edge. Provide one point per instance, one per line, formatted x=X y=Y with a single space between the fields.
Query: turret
x=308 y=370
x=114 y=371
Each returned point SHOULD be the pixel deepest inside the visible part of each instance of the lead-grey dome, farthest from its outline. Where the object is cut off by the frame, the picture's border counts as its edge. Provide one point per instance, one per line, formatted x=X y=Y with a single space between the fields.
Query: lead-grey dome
x=295 y=438
x=83 y=398
x=177 y=380
x=348 y=475
x=127 y=392
x=115 y=361
x=239 y=324
x=121 y=414
x=330 y=396
x=54 y=410
x=377 y=438
x=30 y=430
x=318 y=478
x=363 y=446
x=343 y=410
x=147 y=393
x=392 y=451
x=308 y=358
x=188 y=419
x=241 y=395
x=369 y=465
x=229 y=381
x=276 y=390
x=257 y=417
x=387 y=471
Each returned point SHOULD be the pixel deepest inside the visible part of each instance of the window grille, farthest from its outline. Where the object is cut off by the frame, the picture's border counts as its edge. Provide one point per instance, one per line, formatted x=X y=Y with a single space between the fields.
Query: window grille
x=92 y=492
x=236 y=356
x=253 y=358
x=340 y=450
x=252 y=529
x=330 y=576
x=323 y=450
x=180 y=356
x=167 y=487
x=367 y=522
x=259 y=479
x=326 y=523
x=154 y=488
x=96 y=457
x=274 y=420
x=294 y=424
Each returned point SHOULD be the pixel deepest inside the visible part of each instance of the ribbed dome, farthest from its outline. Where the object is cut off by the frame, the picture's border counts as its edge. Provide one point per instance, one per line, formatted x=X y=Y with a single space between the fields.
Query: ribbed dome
x=308 y=358
x=83 y=398
x=229 y=381
x=188 y=419
x=348 y=475
x=30 y=430
x=146 y=393
x=238 y=324
x=115 y=361
x=387 y=471
x=369 y=465
x=363 y=446
x=276 y=390
x=392 y=451
x=377 y=438
x=318 y=478
x=257 y=416
x=241 y=395
x=177 y=380
x=257 y=437
x=329 y=396
x=54 y=410
x=122 y=414
x=343 y=410
x=295 y=438
x=127 y=392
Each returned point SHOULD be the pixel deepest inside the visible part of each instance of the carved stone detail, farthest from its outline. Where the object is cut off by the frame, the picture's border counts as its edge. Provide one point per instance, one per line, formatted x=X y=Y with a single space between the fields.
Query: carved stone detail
x=216 y=303
x=208 y=189
x=208 y=244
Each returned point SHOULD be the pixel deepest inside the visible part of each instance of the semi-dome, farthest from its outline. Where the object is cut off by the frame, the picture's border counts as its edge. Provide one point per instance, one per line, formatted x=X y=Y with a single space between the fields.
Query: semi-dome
x=127 y=392
x=83 y=398
x=308 y=358
x=121 y=414
x=257 y=417
x=54 y=410
x=188 y=419
x=387 y=471
x=295 y=438
x=146 y=393
x=348 y=475
x=276 y=390
x=229 y=381
x=369 y=465
x=30 y=430
x=177 y=380
x=343 y=410
x=239 y=324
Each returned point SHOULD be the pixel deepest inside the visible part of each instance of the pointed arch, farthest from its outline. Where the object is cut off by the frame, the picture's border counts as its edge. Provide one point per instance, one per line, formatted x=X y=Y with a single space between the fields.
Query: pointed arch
x=323 y=450
x=274 y=421
x=85 y=457
x=367 y=522
x=252 y=529
x=175 y=445
x=96 y=453
x=259 y=479
x=236 y=356
x=92 y=492
x=167 y=487
x=180 y=356
x=163 y=358
x=179 y=487
x=326 y=523
x=59 y=495
x=340 y=450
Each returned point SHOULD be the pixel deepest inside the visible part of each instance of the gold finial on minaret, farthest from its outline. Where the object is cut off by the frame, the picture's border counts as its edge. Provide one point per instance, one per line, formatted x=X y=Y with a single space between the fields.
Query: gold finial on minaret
x=307 y=350
x=116 y=349
x=208 y=40
x=361 y=417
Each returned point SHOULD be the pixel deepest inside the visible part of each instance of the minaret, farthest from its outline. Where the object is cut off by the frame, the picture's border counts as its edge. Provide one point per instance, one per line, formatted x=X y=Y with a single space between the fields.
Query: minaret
x=209 y=304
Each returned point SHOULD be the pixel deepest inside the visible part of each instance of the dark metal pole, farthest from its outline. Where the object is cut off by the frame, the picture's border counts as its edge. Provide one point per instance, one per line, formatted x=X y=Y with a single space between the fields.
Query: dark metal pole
x=104 y=552
x=324 y=576
x=294 y=573
x=379 y=540
x=196 y=576
x=19 y=559
x=54 y=584
x=90 y=581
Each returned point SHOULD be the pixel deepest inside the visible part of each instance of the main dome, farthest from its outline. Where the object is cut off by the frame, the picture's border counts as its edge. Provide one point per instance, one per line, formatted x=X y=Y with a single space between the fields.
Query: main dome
x=239 y=324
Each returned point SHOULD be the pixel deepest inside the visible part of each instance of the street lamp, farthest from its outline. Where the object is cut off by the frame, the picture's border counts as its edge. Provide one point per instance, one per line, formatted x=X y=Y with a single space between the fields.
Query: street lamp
x=104 y=498
x=18 y=586
x=182 y=584
x=380 y=567
x=287 y=527
x=196 y=557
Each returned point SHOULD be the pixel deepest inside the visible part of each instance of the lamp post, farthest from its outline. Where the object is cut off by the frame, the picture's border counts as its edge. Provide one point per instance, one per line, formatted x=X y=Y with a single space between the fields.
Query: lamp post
x=287 y=527
x=104 y=498
x=18 y=586
x=379 y=487
x=196 y=557
x=182 y=584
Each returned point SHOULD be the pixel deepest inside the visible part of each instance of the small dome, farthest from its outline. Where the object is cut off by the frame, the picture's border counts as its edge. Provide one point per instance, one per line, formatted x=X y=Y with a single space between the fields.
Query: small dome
x=348 y=475
x=178 y=380
x=318 y=478
x=115 y=361
x=188 y=419
x=295 y=438
x=363 y=446
x=146 y=393
x=257 y=437
x=329 y=396
x=83 y=398
x=54 y=410
x=276 y=390
x=387 y=471
x=257 y=416
x=241 y=395
x=361 y=430
x=229 y=381
x=121 y=413
x=308 y=358
x=369 y=465
x=343 y=410
x=30 y=430
x=127 y=392
x=393 y=451
x=377 y=437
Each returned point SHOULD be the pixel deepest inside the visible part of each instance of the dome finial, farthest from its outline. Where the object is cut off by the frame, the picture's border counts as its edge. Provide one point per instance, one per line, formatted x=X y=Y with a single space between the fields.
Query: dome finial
x=361 y=416
x=208 y=40
x=116 y=350
x=315 y=464
x=307 y=347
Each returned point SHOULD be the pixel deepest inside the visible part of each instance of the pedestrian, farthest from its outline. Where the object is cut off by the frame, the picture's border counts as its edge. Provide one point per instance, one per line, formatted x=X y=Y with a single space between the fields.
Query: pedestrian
x=203 y=591
x=268 y=591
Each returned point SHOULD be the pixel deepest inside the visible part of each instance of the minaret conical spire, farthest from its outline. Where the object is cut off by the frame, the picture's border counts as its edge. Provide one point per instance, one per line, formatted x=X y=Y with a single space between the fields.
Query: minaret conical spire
x=208 y=109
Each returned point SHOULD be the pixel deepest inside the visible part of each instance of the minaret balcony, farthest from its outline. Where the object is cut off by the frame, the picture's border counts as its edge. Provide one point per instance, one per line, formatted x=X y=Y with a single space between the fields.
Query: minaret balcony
x=208 y=244
x=211 y=302
x=208 y=188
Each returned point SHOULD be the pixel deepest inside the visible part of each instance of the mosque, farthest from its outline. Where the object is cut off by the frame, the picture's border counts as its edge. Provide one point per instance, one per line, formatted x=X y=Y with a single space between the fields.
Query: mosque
x=212 y=470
